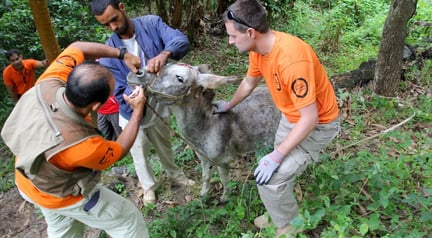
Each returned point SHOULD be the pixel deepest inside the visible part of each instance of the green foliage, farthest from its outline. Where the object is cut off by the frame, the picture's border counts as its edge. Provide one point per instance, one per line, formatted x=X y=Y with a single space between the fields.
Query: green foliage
x=19 y=35
x=7 y=178
x=301 y=21
x=209 y=219
x=344 y=34
x=120 y=189
x=418 y=29
x=71 y=21
x=372 y=181
x=277 y=8
x=127 y=161
x=365 y=194
x=371 y=190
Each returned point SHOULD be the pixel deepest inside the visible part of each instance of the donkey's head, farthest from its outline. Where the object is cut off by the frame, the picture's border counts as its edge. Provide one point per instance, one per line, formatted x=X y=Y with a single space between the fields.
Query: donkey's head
x=177 y=81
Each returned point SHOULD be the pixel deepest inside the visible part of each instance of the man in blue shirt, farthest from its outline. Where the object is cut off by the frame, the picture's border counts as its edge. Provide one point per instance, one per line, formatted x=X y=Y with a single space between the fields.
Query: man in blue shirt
x=154 y=42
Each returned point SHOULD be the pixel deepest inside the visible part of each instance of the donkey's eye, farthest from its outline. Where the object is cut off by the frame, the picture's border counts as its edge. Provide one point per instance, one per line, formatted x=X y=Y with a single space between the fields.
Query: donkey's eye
x=180 y=78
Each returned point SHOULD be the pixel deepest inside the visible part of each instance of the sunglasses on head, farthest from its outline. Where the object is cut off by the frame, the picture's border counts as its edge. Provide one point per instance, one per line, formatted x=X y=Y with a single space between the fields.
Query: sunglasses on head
x=232 y=17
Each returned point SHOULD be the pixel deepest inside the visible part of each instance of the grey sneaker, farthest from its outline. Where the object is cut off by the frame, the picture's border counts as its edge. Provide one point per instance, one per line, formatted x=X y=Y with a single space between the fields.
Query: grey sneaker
x=182 y=180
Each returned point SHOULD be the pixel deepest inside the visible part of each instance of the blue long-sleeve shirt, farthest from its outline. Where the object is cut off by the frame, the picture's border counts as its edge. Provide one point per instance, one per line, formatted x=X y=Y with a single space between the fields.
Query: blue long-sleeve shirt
x=153 y=36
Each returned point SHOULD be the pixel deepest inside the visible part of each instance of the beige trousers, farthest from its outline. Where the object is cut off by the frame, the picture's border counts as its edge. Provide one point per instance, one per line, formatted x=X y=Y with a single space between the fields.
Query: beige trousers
x=114 y=214
x=278 y=194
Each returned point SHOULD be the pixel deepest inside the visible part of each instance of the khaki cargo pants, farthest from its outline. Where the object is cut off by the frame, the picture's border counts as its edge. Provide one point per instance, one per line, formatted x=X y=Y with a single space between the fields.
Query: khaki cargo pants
x=110 y=212
x=278 y=195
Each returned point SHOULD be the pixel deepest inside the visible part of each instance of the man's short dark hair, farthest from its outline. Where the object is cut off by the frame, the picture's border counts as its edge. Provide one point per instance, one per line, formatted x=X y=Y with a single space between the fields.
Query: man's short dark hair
x=88 y=83
x=11 y=52
x=98 y=7
x=250 y=12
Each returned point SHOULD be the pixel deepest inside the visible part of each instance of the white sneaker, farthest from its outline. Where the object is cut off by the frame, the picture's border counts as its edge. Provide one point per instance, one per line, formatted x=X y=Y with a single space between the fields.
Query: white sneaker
x=149 y=197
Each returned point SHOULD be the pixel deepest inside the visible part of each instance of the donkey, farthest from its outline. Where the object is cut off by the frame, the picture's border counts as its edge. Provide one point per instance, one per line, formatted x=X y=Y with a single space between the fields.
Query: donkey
x=216 y=138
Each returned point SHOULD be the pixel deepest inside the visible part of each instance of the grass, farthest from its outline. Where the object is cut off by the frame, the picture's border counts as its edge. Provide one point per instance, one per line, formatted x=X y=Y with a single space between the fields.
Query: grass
x=374 y=179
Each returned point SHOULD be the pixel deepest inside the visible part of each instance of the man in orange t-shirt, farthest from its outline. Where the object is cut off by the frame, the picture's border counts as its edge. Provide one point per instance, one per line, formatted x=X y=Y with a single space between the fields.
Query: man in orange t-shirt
x=302 y=92
x=19 y=76
x=69 y=90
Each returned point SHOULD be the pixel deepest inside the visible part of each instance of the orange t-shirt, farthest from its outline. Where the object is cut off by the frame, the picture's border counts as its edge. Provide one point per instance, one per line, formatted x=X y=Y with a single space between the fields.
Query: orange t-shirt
x=21 y=80
x=94 y=153
x=295 y=78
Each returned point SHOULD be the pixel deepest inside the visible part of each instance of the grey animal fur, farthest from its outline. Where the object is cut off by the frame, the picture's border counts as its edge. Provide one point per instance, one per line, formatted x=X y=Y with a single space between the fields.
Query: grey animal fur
x=220 y=137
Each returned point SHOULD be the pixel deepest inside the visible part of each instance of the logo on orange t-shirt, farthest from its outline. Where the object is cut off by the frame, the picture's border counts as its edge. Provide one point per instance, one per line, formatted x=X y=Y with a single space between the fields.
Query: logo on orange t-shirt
x=300 y=87
x=277 y=82
x=107 y=157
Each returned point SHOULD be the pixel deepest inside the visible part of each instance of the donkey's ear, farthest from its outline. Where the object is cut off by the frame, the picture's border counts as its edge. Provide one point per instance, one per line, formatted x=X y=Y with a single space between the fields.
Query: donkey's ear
x=214 y=81
x=203 y=68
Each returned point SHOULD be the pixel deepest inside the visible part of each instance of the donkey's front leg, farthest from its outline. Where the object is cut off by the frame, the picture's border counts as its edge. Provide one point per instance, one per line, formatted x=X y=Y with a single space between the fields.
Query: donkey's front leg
x=206 y=175
x=225 y=179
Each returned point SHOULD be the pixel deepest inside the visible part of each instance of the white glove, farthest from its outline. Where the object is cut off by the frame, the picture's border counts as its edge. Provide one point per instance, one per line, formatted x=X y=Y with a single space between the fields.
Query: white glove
x=267 y=167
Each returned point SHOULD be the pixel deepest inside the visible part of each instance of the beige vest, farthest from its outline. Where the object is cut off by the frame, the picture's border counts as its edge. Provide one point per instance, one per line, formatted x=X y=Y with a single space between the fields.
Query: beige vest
x=40 y=126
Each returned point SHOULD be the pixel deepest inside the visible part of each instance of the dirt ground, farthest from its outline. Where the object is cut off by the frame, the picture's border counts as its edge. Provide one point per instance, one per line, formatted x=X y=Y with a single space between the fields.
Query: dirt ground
x=19 y=218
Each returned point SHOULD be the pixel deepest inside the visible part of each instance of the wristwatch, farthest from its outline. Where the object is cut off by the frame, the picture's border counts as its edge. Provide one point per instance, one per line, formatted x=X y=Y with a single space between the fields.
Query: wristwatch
x=123 y=51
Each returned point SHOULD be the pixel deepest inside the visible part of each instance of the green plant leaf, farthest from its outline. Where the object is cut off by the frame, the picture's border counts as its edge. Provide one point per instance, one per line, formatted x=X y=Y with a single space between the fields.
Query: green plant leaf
x=364 y=228
x=374 y=222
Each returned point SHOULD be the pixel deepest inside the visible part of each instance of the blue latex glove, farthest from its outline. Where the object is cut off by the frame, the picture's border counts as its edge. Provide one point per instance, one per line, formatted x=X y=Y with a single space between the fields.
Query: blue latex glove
x=221 y=107
x=267 y=167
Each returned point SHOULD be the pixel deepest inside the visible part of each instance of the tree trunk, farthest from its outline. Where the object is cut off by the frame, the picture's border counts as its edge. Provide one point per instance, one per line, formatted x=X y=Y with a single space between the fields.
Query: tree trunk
x=195 y=25
x=176 y=13
x=147 y=3
x=389 y=61
x=222 y=6
x=41 y=17
x=162 y=12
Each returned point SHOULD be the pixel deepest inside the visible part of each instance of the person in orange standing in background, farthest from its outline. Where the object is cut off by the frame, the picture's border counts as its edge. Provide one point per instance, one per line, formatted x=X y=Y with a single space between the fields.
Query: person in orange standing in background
x=60 y=155
x=19 y=75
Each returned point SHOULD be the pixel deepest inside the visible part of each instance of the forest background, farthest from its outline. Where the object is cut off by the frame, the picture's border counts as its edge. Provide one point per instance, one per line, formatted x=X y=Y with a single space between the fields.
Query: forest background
x=375 y=179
